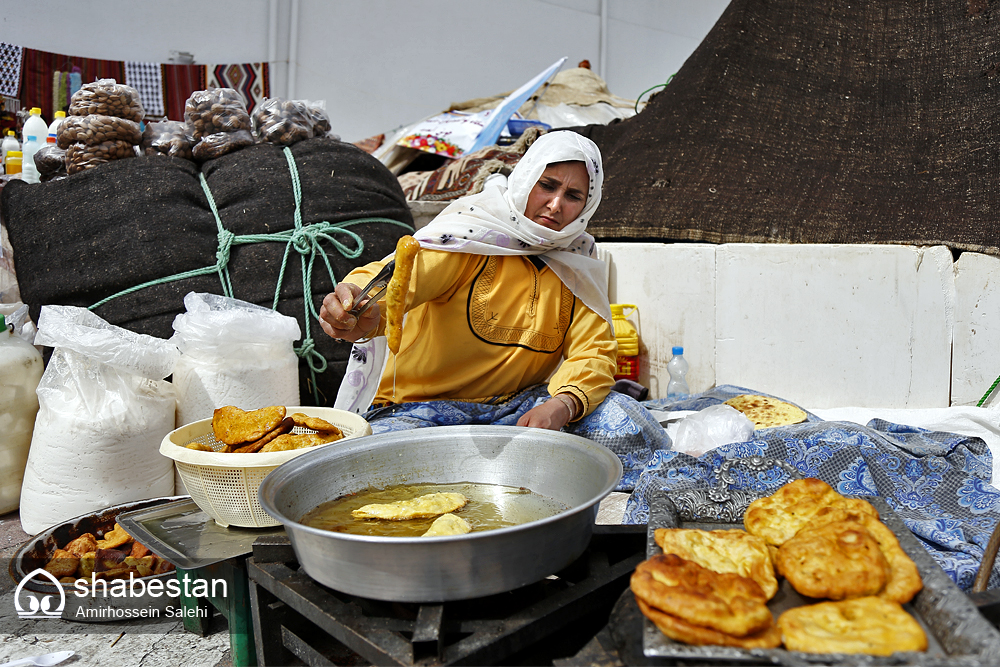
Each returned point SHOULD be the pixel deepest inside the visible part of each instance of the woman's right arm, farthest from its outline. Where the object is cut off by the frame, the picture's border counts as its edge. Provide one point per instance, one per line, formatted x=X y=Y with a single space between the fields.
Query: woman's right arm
x=333 y=315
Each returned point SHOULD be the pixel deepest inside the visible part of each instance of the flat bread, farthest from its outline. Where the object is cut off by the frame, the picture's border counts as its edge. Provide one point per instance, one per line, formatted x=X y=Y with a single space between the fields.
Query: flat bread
x=680 y=630
x=727 y=603
x=777 y=517
x=868 y=625
x=838 y=560
x=448 y=524
x=234 y=426
x=904 y=578
x=726 y=551
x=766 y=412
x=399 y=286
x=422 y=507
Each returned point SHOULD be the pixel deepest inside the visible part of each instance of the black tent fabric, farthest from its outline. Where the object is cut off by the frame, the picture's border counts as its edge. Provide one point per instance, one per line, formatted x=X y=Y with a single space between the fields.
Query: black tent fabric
x=863 y=122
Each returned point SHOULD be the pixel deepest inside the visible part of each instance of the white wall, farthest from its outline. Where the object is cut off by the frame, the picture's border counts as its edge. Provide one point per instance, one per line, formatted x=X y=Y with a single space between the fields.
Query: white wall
x=380 y=64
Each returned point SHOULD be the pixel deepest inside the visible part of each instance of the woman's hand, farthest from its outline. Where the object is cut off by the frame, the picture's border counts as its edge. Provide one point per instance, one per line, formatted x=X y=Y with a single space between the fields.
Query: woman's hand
x=553 y=414
x=338 y=323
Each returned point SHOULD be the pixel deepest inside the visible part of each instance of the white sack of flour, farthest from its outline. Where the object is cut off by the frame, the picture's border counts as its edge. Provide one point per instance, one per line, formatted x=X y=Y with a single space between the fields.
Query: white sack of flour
x=104 y=408
x=233 y=353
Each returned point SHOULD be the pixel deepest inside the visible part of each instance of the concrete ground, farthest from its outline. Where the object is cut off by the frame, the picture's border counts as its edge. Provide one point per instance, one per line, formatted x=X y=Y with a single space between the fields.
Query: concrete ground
x=134 y=643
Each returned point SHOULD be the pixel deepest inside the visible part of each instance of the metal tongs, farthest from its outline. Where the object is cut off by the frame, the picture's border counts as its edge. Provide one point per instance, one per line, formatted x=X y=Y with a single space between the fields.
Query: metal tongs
x=373 y=290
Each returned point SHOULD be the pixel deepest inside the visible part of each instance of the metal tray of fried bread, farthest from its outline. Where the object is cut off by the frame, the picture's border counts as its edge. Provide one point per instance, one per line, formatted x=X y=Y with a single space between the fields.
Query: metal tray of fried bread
x=957 y=634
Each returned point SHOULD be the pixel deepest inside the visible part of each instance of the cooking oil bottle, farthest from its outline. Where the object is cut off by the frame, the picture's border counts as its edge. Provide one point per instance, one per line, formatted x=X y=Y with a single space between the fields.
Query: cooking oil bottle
x=628 y=342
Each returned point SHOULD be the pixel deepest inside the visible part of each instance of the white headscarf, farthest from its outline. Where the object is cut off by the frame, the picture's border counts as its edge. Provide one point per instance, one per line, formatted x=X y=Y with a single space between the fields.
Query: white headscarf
x=492 y=222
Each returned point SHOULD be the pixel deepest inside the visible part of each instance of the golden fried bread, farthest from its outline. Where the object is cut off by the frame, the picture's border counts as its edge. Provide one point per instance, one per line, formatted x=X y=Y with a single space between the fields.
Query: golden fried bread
x=286 y=426
x=63 y=564
x=114 y=538
x=422 y=507
x=395 y=293
x=863 y=625
x=199 y=446
x=682 y=631
x=315 y=423
x=299 y=441
x=904 y=578
x=777 y=517
x=448 y=524
x=234 y=426
x=766 y=412
x=726 y=551
x=837 y=560
x=83 y=544
x=727 y=603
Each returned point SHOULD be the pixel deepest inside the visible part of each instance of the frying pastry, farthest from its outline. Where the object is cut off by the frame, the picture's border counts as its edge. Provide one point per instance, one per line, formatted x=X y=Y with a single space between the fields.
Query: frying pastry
x=726 y=551
x=777 y=517
x=682 y=631
x=904 y=578
x=727 y=603
x=315 y=423
x=837 y=560
x=395 y=294
x=448 y=524
x=422 y=507
x=286 y=426
x=234 y=426
x=766 y=412
x=299 y=441
x=865 y=625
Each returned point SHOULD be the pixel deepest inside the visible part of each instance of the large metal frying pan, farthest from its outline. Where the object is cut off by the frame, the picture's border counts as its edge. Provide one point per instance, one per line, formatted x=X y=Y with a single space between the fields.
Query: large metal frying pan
x=572 y=470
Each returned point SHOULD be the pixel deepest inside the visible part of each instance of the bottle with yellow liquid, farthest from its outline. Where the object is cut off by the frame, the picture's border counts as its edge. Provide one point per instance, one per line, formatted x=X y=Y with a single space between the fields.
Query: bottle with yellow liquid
x=628 y=342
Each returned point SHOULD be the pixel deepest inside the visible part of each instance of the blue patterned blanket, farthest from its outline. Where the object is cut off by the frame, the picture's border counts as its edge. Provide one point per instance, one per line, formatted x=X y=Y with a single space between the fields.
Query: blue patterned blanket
x=938 y=483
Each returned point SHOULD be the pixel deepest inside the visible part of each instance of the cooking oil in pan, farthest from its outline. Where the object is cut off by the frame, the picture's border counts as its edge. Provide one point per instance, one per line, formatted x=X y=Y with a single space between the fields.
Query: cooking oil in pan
x=490 y=506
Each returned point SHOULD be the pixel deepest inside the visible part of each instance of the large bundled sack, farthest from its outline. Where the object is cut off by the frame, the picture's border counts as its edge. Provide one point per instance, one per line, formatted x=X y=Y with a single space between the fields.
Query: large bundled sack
x=97 y=233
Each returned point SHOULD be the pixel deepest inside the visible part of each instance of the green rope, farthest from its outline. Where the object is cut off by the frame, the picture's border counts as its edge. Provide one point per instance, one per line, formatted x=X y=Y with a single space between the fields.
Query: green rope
x=988 y=392
x=306 y=240
x=659 y=85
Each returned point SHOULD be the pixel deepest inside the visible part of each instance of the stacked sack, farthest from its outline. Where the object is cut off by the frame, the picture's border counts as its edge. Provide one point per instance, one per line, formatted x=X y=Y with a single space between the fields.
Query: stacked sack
x=218 y=121
x=102 y=125
x=167 y=137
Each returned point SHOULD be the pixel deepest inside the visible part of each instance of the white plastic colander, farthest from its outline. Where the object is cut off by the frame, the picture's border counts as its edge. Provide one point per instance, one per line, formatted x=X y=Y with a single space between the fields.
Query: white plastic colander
x=225 y=486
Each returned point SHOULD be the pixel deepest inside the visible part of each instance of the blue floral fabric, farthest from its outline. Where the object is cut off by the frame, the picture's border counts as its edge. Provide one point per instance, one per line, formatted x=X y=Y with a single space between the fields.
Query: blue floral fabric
x=938 y=483
x=619 y=423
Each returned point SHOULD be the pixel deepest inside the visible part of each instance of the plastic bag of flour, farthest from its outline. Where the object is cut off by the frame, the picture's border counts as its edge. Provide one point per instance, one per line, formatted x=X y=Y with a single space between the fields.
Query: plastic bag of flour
x=710 y=428
x=104 y=408
x=233 y=353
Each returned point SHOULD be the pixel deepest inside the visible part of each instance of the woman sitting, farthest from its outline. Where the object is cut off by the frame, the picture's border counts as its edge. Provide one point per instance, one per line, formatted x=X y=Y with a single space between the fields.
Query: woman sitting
x=508 y=320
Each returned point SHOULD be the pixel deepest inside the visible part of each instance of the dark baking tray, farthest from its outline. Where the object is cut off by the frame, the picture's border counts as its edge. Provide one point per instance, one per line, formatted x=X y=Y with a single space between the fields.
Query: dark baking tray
x=957 y=633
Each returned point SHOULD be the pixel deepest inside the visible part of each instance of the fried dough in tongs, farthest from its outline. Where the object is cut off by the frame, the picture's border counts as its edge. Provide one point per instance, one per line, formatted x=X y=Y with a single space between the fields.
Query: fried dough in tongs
x=373 y=291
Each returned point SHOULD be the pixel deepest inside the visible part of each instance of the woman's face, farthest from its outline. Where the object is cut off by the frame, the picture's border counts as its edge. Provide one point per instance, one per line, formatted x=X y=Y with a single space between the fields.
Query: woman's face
x=559 y=196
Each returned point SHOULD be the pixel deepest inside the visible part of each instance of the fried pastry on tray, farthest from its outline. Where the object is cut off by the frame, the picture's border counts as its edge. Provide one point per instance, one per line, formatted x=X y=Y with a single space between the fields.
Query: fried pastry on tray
x=777 y=517
x=904 y=578
x=114 y=538
x=838 y=560
x=727 y=551
x=422 y=507
x=727 y=603
x=62 y=564
x=682 y=631
x=86 y=543
x=234 y=426
x=864 y=625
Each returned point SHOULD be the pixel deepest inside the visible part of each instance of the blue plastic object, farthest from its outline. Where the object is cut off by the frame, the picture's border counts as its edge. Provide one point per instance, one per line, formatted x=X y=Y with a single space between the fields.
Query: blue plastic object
x=517 y=126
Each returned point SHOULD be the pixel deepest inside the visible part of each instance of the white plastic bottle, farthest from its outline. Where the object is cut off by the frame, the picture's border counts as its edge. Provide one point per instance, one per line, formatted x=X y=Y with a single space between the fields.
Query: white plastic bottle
x=10 y=143
x=678 y=368
x=20 y=371
x=29 y=174
x=56 y=122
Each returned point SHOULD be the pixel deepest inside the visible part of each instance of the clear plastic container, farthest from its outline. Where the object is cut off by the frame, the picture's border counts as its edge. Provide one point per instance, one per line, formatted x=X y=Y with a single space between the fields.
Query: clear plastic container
x=56 y=122
x=678 y=368
x=13 y=164
x=29 y=173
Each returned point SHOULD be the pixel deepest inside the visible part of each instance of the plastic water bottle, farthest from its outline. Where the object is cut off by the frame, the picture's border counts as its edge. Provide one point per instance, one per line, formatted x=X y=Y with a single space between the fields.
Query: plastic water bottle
x=10 y=143
x=678 y=368
x=29 y=174
x=56 y=122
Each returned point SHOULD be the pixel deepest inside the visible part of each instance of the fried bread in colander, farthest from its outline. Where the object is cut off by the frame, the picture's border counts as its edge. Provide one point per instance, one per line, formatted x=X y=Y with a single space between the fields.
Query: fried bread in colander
x=727 y=603
x=838 y=560
x=904 y=578
x=777 y=517
x=682 y=631
x=234 y=426
x=864 y=625
x=726 y=551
